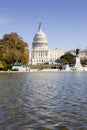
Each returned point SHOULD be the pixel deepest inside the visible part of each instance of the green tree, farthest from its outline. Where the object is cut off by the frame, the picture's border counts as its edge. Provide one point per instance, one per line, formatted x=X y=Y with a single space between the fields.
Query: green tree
x=68 y=58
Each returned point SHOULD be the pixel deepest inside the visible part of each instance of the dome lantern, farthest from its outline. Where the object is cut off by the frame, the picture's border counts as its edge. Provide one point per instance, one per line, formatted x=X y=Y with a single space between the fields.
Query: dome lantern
x=39 y=27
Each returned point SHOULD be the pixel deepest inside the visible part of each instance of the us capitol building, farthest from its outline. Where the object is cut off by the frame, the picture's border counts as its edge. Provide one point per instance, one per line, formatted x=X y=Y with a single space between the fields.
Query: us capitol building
x=40 y=53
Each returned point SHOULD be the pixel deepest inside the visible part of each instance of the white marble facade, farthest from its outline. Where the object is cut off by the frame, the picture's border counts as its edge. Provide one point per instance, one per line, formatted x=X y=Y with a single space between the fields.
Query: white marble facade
x=40 y=53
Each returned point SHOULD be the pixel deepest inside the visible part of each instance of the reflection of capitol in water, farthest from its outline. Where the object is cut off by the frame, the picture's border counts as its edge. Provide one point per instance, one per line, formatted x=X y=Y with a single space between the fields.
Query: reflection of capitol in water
x=40 y=53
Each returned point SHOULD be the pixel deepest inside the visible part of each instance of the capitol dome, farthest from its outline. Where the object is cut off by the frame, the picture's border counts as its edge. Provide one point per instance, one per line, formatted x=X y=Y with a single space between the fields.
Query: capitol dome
x=40 y=40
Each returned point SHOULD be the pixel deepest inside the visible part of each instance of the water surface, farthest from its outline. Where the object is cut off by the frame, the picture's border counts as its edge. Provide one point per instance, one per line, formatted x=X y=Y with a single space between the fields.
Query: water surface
x=43 y=101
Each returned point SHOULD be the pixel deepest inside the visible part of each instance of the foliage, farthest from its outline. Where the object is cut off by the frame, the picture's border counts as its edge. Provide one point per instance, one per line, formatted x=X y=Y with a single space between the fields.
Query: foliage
x=12 y=49
x=84 y=61
x=1 y=65
x=40 y=67
x=67 y=58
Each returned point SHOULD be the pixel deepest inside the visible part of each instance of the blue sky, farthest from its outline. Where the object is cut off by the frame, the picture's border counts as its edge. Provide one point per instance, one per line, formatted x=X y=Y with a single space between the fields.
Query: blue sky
x=63 y=21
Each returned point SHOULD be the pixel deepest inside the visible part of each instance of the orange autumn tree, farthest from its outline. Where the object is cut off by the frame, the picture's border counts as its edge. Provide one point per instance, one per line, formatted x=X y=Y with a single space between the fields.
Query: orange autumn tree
x=13 y=48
